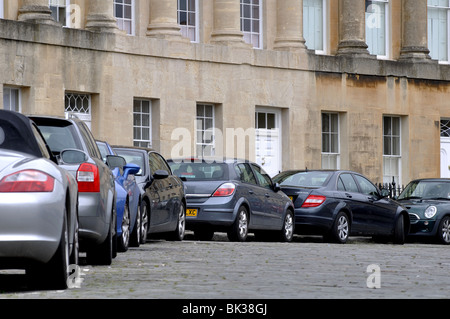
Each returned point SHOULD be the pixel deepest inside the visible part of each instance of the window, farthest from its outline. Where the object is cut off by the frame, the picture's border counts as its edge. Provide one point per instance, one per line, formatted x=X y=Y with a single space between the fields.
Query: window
x=366 y=186
x=330 y=141
x=2 y=15
x=377 y=26
x=391 y=149
x=438 y=29
x=80 y=105
x=142 y=115
x=445 y=127
x=251 y=22
x=187 y=18
x=11 y=99
x=124 y=13
x=314 y=28
x=58 y=8
x=205 y=130
x=262 y=177
x=346 y=183
x=245 y=174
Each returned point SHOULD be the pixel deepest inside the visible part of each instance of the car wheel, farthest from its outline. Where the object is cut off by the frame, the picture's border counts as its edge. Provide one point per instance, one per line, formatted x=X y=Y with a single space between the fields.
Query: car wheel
x=102 y=254
x=399 y=231
x=340 y=229
x=135 y=239
x=239 y=229
x=144 y=222
x=287 y=232
x=55 y=273
x=74 y=257
x=444 y=230
x=124 y=239
x=178 y=234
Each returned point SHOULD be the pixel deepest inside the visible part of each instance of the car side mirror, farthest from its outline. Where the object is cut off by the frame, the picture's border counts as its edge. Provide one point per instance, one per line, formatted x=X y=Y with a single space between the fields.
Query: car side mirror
x=160 y=174
x=131 y=169
x=276 y=187
x=70 y=156
x=114 y=161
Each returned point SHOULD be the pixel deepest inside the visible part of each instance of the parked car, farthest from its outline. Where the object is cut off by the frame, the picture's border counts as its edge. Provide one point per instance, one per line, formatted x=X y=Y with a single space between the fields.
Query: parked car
x=338 y=203
x=38 y=204
x=234 y=196
x=128 y=198
x=428 y=205
x=96 y=189
x=163 y=207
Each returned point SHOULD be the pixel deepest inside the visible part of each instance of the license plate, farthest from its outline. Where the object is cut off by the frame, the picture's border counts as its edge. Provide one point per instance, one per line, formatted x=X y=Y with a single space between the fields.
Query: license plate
x=190 y=212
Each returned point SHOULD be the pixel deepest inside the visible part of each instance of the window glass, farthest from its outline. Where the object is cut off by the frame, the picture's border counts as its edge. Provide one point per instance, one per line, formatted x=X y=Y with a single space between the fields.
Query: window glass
x=245 y=173
x=366 y=186
x=438 y=38
x=313 y=13
x=194 y=171
x=124 y=14
x=187 y=18
x=376 y=20
x=262 y=177
x=348 y=183
x=250 y=22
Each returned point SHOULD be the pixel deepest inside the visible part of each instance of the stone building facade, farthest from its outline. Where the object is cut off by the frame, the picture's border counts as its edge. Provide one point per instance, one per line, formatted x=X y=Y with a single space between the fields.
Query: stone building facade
x=351 y=84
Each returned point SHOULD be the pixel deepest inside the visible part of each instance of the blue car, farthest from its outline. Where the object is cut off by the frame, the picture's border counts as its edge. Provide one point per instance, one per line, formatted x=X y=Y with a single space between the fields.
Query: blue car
x=128 y=198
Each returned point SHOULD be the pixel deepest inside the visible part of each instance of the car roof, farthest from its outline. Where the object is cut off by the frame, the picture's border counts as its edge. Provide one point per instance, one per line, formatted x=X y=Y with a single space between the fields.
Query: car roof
x=209 y=160
x=147 y=149
x=19 y=135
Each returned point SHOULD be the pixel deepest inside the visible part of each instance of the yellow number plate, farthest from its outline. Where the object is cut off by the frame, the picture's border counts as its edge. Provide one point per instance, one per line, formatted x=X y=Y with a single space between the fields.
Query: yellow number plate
x=292 y=198
x=191 y=212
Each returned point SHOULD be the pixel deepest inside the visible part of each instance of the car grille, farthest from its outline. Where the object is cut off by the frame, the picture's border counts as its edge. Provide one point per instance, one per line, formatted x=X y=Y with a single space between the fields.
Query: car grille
x=413 y=218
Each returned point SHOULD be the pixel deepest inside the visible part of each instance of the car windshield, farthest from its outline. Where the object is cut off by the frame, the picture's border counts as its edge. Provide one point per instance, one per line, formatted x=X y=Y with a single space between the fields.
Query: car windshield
x=426 y=190
x=303 y=179
x=200 y=171
x=133 y=157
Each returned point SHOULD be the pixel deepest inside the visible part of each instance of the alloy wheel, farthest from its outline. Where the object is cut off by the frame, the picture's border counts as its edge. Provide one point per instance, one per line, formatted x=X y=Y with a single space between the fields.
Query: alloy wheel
x=342 y=228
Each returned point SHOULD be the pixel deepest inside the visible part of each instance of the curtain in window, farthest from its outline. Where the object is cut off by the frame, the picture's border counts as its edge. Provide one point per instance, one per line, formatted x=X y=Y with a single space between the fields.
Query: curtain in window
x=376 y=27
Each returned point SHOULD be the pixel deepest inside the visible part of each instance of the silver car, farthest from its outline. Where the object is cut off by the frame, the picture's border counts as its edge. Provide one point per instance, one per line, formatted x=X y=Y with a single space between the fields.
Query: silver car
x=38 y=205
x=96 y=190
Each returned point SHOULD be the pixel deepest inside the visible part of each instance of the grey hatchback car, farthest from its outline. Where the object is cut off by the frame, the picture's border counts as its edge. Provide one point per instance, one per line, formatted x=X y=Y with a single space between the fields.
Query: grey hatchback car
x=234 y=196
x=96 y=190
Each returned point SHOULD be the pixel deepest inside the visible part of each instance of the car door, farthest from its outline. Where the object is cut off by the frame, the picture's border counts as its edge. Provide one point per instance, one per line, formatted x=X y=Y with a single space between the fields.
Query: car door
x=273 y=208
x=252 y=192
x=356 y=201
x=381 y=215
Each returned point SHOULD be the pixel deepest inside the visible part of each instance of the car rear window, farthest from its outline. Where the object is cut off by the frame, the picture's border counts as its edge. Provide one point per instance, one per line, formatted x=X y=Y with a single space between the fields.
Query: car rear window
x=304 y=179
x=60 y=137
x=200 y=171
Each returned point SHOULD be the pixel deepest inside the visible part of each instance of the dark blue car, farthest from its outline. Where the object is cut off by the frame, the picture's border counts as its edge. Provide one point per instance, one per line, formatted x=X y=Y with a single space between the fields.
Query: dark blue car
x=236 y=197
x=338 y=203
x=128 y=198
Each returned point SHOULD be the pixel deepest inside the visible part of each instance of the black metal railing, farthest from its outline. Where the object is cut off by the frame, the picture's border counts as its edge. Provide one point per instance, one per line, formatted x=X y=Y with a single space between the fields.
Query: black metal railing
x=393 y=188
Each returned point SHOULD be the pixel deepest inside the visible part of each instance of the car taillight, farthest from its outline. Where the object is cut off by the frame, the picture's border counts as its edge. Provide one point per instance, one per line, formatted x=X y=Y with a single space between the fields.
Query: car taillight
x=88 y=178
x=313 y=201
x=225 y=189
x=27 y=181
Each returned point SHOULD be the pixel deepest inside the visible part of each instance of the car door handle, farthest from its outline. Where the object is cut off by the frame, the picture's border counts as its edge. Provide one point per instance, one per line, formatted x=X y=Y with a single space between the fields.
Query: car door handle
x=348 y=195
x=267 y=195
x=251 y=192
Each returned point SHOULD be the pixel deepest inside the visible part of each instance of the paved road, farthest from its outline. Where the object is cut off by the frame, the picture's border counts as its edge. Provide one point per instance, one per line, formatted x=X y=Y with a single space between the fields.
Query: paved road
x=306 y=268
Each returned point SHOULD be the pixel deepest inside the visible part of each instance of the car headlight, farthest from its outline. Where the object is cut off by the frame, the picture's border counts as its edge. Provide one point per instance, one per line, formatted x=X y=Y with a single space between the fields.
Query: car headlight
x=430 y=211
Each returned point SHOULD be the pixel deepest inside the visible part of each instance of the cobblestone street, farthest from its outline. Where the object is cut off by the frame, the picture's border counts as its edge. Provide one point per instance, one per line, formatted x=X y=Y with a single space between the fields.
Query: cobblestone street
x=306 y=268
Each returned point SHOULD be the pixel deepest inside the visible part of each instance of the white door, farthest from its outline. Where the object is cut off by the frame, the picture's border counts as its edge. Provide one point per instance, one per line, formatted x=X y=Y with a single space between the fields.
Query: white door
x=268 y=140
x=445 y=157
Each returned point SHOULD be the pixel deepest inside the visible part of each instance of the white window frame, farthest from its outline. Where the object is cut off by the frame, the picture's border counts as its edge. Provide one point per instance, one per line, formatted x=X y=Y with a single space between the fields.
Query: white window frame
x=249 y=35
x=205 y=132
x=123 y=19
x=388 y=159
x=140 y=141
x=83 y=113
x=2 y=9
x=328 y=156
x=324 y=49
x=386 y=24
x=66 y=11
x=18 y=105
x=447 y=61
x=185 y=28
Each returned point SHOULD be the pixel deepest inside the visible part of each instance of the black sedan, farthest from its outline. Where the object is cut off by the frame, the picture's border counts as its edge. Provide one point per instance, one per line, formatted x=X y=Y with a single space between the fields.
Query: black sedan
x=163 y=209
x=337 y=204
x=428 y=204
x=236 y=197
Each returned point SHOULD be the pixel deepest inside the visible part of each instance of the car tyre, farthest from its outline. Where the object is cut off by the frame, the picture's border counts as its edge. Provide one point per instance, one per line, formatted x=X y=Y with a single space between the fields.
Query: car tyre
x=135 y=239
x=178 y=233
x=399 y=231
x=341 y=229
x=74 y=257
x=287 y=232
x=102 y=254
x=444 y=230
x=144 y=222
x=239 y=229
x=124 y=239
